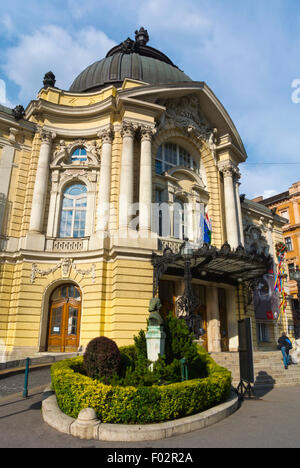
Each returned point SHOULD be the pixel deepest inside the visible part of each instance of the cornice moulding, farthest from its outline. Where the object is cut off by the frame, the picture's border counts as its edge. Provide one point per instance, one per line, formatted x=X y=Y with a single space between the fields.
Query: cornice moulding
x=181 y=89
x=128 y=103
x=50 y=108
x=75 y=133
x=21 y=125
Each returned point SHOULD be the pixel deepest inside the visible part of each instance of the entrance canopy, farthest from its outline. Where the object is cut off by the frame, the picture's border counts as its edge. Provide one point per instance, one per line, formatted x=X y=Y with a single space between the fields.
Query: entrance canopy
x=211 y=264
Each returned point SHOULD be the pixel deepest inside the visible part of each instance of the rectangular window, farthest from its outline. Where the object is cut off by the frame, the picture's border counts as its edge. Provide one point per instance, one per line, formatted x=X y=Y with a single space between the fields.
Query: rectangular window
x=72 y=321
x=291 y=267
x=56 y=321
x=65 y=224
x=285 y=214
x=158 y=200
x=263 y=333
x=158 y=167
x=289 y=244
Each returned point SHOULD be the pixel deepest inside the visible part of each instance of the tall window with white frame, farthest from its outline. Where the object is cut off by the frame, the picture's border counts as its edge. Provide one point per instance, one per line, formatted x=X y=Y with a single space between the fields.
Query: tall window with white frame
x=73 y=211
x=179 y=218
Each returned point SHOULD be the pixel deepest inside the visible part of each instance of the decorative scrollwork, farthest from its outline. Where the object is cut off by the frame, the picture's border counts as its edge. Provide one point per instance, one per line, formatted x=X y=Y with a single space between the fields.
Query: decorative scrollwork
x=65 y=264
x=91 y=271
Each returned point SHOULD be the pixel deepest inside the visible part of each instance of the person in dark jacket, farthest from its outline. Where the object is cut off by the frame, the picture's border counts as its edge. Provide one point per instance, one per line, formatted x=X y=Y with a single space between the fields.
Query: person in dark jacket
x=285 y=345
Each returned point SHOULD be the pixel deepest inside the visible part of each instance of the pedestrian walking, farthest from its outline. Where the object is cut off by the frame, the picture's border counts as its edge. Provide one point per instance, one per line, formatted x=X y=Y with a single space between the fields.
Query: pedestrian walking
x=285 y=345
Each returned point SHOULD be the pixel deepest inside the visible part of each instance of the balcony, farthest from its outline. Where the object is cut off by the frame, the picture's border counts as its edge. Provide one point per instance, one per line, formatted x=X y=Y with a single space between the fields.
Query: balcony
x=67 y=245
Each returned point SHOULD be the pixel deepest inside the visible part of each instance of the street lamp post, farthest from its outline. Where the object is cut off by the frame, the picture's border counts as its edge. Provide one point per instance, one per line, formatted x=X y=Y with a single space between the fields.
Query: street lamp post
x=188 y=303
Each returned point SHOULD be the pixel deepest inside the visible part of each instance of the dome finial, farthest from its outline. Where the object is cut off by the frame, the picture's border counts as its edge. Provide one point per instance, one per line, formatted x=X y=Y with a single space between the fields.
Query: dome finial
x=142 y=36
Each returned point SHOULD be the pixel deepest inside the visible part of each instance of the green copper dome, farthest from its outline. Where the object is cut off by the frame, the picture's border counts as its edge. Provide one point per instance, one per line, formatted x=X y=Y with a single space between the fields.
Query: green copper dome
x=130 y=59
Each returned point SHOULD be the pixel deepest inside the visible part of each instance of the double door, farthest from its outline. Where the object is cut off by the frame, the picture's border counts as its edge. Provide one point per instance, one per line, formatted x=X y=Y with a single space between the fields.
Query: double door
x=64 y=322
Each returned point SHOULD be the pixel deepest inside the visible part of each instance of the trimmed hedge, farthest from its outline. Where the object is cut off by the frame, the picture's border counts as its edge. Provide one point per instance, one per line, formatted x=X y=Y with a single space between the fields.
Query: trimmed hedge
x=137 y=405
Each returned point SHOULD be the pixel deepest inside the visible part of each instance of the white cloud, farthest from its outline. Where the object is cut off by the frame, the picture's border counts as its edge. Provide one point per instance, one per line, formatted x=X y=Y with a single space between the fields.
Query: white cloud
x=79 y=9
x=52 y=48
x=7 y=24
x=176 y=16
x=268 y=193
x=3 y=95
x=2 y=92
x=267 y=180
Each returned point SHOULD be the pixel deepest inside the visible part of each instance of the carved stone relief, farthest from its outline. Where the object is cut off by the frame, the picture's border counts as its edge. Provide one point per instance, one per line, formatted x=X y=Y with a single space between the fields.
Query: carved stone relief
x=185 y=113
x=65 y=264
x=255 y=242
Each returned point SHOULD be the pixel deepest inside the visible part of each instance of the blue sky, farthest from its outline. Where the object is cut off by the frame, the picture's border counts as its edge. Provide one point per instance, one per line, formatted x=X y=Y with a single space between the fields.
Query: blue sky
x=247 y=52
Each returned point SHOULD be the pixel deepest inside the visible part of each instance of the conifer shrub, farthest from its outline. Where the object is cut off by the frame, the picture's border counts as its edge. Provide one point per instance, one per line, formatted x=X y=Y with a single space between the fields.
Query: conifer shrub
x=102 y=359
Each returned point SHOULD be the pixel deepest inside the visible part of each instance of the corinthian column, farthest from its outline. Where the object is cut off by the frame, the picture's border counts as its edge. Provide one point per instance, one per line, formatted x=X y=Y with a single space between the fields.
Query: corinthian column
x=145 y=195
x=107 y=136
x=41 y=183
x=127 y=176
x=231 y=215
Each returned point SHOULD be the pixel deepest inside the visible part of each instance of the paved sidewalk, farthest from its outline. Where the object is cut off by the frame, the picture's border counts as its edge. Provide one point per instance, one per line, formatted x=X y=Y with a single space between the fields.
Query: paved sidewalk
x=13 y=382
x=271 y=422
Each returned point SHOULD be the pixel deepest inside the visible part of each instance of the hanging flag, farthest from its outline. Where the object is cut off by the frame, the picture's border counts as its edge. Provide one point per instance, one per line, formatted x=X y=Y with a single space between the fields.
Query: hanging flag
x=207 y=230
x=200 y=232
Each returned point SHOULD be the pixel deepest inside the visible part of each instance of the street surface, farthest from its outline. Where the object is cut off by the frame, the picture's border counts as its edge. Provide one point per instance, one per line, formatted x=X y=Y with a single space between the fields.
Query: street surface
x=273 y=421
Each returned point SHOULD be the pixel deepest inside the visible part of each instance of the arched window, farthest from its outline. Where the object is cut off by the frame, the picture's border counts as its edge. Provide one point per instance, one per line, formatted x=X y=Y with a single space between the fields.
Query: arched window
x=73 y=211
x=79 y=155
x=171 y=155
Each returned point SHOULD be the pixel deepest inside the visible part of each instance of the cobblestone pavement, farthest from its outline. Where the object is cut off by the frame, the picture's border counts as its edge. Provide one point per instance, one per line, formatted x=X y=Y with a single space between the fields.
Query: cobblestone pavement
x=273 y=421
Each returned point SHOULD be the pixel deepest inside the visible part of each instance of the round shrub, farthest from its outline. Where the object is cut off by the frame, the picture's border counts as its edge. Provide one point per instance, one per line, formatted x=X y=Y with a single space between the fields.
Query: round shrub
x=102 y=359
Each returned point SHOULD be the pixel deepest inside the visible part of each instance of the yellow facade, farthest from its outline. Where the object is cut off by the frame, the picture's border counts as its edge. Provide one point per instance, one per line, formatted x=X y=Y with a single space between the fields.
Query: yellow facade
x=116 y=126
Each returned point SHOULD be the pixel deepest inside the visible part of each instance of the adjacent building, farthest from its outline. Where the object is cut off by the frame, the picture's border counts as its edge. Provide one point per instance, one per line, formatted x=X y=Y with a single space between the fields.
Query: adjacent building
x=287 y=205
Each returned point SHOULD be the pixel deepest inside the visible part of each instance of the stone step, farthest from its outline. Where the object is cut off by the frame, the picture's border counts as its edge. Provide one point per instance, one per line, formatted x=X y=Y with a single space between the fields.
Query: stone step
x=268 y=369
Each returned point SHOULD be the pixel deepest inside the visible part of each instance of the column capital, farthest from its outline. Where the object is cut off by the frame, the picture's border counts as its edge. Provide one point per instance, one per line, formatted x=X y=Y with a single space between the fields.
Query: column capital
x=237 y=176
x=228 y=169
x=147 y=132
x=106 y=135
x=128 y=129
x=47 y=136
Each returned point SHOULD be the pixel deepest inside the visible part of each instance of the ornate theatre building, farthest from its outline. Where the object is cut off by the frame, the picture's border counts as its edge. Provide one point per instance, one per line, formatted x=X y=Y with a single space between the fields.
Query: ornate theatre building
x=102 y=185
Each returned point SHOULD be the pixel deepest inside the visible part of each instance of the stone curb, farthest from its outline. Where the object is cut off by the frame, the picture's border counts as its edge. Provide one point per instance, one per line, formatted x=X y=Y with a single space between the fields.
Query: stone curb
x=86 y=426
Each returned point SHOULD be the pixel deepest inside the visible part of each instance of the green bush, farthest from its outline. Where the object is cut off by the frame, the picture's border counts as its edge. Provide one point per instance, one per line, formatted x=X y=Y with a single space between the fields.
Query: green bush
x=102 y=359
x=142 y=404
x=135 y=370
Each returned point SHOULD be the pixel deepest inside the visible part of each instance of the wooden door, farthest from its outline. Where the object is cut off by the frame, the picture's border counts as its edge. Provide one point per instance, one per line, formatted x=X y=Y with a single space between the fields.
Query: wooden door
x=64 y=320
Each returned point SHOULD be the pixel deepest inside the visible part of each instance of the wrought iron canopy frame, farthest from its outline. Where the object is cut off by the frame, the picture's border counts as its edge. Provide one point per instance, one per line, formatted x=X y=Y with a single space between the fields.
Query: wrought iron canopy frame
x=225 y=265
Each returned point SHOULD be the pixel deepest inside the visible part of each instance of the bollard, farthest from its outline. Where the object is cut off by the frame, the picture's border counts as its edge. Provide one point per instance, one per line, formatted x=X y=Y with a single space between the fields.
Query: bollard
x=25 y=390
x=184 y=370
